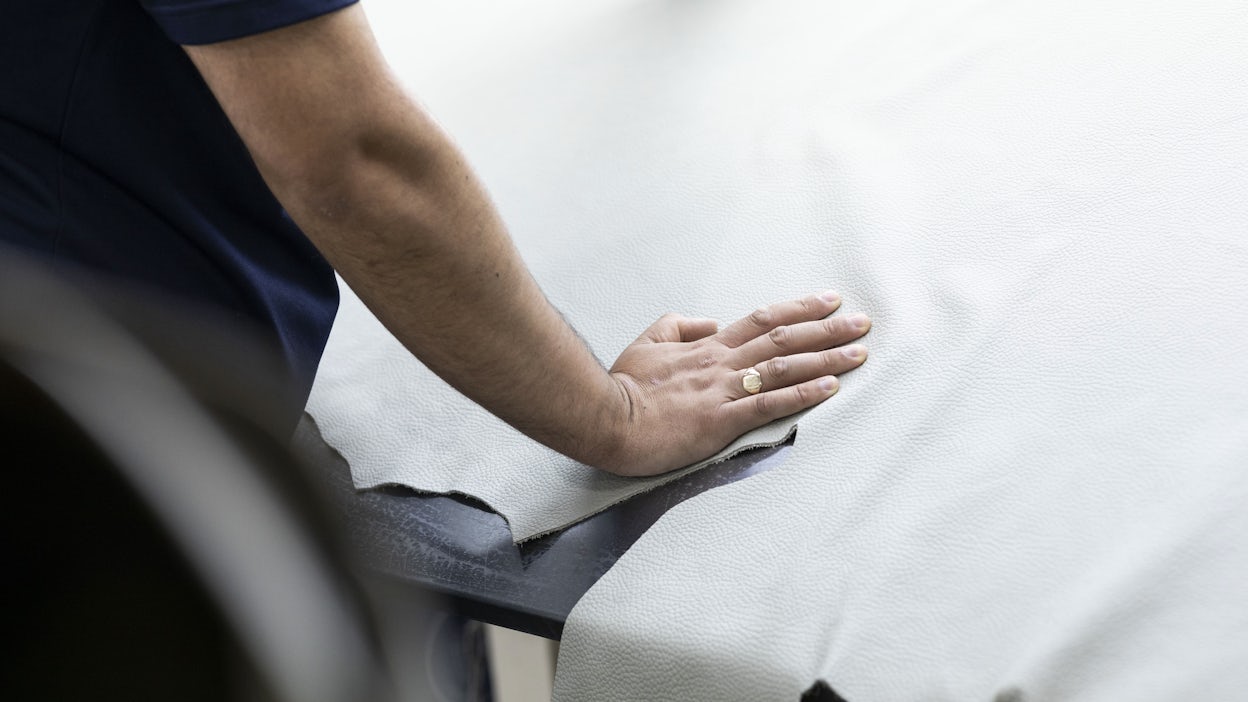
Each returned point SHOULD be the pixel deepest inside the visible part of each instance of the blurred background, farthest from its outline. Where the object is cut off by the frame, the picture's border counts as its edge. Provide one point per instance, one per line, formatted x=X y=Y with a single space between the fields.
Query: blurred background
x=161 y=540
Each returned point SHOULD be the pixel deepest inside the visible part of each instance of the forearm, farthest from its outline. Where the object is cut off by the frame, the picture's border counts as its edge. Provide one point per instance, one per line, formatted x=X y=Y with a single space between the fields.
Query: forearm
x=389 y=200
x=392 y=205
x=406 y=223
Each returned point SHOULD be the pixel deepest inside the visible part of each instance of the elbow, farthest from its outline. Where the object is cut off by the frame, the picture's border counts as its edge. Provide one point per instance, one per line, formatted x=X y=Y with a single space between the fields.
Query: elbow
x=314 y=182
x=351 y=177
x=365 y=200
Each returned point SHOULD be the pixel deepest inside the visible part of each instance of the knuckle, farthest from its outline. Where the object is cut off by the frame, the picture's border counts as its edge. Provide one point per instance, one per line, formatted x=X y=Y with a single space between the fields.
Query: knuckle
x=761 y=317
x=777 y=368
x=781 y=336
x=810 y=306
x=764 y=403
x=802 y=392
x=829 y=358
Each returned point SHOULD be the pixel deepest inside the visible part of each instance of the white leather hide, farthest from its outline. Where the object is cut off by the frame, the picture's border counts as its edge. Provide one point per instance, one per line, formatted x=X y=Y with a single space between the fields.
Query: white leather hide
x=620 y=217
x=1035 y=487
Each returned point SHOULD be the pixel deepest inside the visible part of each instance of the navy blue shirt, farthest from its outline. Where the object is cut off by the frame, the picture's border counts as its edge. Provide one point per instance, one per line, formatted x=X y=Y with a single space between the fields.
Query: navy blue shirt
x=115 y=156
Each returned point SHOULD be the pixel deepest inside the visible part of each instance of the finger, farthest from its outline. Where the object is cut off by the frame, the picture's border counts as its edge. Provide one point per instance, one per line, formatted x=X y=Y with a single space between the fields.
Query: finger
x=675 y=327
x=803 y=338
x=692 y=329
x=764 y=319
x=756 y=410
x=783 y=371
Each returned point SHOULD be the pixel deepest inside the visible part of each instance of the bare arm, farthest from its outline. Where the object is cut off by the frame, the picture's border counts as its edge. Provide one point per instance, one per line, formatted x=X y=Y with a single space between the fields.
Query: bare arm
x=388 y=199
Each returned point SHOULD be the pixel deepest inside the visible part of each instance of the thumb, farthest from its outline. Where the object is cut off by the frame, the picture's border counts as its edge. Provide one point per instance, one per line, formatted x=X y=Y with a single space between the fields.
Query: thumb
x=673 y=327
x=692 y=329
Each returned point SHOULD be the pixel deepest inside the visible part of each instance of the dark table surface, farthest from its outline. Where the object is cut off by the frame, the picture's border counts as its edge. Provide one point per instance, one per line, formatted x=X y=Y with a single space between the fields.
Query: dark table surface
x=461 y=551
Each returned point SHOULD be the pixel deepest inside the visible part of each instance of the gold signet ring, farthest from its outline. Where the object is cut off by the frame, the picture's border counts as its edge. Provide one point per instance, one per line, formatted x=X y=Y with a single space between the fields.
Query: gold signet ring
x=752 y=381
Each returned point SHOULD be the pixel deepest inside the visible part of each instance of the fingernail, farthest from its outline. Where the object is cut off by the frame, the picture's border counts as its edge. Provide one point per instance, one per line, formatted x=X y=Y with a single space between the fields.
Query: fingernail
x=829 y=384
x=860 y=321
x=831 y=296
x=855 y=352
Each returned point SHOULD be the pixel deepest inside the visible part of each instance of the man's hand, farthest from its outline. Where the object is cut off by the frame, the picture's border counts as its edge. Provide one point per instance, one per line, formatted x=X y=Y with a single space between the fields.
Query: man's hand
x=390 y=201
x=684 y=385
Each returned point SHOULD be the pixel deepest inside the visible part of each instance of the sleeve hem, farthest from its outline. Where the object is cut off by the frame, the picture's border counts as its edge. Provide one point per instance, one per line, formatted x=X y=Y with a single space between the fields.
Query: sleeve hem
x=212 y=21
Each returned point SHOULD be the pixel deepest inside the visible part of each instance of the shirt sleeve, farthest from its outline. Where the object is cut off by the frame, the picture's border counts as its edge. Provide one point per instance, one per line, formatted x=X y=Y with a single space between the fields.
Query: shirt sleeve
x=190 y=22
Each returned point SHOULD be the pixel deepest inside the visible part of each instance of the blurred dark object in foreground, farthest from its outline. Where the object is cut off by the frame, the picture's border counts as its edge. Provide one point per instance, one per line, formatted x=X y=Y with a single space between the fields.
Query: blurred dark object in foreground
x=159 y=541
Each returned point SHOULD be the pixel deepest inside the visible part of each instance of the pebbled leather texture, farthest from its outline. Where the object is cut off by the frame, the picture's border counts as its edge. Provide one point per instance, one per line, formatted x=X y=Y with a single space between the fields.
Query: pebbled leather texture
x=396 y=423
x=1035 y=487
x=612 y=212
